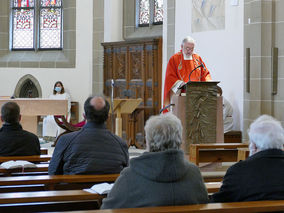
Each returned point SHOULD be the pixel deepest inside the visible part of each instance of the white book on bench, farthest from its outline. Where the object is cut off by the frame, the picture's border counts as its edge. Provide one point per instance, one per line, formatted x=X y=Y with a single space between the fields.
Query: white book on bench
x=101 y=188
x=17 y=164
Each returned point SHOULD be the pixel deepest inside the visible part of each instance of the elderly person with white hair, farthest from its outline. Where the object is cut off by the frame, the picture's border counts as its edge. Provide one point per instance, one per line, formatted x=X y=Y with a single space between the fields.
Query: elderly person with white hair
x=161 y=176
x=261 y=176
x=184 y=66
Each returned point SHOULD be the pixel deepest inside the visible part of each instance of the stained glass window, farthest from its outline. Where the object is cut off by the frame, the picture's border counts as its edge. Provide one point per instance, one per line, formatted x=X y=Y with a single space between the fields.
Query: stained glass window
x=50 y=24
x=48 y=15
x=158 y=11
x=150 y=12
x=23 y=3
x=23 y=24
x=144 y=12
x=50 y=3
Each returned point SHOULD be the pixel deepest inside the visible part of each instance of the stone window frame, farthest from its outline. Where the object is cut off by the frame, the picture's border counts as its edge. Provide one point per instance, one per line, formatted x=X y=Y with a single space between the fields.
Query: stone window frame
x=65 y=58
x=131 y=30
x=37 y=8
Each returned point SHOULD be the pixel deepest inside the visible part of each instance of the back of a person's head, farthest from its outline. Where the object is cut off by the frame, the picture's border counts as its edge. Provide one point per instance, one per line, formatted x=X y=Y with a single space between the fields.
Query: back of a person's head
x=96 y=109
x=266 y=133
x=163 y=132
x=10 y=112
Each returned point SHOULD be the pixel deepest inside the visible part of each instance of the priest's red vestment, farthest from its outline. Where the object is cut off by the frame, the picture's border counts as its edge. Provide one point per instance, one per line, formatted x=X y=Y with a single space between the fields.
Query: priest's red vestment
x=179 y=69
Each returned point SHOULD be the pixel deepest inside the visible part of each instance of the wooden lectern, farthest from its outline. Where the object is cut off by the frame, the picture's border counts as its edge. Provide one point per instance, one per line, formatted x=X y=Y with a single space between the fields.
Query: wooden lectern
x=123 y=106
x=31 y=108
x=201 y=114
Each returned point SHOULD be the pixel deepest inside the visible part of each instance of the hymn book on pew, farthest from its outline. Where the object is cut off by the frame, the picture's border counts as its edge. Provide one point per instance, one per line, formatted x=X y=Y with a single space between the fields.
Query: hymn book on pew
x=17 y=164
x=101 y=188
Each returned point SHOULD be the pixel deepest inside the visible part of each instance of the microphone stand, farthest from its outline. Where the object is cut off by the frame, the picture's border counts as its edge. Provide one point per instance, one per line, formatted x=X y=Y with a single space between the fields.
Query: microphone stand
x=201 y=65
x=111 y=105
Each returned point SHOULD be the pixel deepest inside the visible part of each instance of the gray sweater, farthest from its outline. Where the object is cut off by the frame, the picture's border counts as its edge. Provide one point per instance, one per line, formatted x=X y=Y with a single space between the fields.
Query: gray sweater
x=157 y=179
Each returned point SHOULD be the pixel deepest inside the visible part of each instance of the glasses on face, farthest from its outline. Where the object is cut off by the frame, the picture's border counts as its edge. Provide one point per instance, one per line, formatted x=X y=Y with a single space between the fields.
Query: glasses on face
x=188 y=48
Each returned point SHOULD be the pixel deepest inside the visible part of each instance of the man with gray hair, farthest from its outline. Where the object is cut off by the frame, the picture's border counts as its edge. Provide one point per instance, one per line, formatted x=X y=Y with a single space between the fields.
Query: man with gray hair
x=161 y=176
x=182 y=67
x=261 y=176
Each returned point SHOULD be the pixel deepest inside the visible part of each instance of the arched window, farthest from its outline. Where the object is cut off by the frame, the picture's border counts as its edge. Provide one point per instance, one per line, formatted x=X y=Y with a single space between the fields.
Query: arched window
x=149 y=12
x=36 y=24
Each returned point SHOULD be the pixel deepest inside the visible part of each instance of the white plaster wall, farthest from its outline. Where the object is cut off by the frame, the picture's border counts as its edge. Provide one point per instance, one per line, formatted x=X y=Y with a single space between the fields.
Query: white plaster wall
x=77 y=81
x=221 y=50
x=113 y=19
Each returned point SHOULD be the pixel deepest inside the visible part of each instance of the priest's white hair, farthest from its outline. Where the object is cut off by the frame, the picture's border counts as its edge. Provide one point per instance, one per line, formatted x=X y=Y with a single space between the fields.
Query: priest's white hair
x=188 y=39
x=163 y=132
x=266 y=133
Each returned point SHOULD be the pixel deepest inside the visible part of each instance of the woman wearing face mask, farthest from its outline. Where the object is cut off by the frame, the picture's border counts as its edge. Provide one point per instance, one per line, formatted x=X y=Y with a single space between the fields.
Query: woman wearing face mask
x=50 y=129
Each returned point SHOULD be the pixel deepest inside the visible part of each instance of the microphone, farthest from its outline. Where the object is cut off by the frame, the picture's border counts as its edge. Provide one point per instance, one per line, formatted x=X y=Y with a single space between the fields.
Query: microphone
x=166 y=107
x=200 y=65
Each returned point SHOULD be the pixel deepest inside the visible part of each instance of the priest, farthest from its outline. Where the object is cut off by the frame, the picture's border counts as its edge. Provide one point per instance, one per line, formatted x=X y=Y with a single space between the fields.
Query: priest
x=182 y=67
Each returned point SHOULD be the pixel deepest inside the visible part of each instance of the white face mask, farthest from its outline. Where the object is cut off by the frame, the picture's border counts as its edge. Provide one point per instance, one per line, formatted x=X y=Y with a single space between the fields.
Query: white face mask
x=57 y=89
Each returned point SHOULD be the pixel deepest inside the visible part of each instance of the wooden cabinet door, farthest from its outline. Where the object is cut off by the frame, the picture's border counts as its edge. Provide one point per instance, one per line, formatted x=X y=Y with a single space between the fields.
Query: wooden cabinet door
x=135 y=67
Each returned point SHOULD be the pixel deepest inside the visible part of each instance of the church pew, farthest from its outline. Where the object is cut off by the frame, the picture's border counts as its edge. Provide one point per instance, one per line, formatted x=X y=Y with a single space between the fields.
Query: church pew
x=65 y=195
x=213 y=176
x=243 y=154
x=214 y=152
x=43 y=151
x=235 y=207
x=40 y=169
x=52 y=182
x=32 y=158
x=47 y=201
x=49 y=182
x=233 y=137
x=213 y=187
x=48 y=196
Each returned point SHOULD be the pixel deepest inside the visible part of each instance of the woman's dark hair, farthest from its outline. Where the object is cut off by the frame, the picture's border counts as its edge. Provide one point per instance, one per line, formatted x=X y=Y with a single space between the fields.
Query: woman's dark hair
x=62 y=90
x=92 y=114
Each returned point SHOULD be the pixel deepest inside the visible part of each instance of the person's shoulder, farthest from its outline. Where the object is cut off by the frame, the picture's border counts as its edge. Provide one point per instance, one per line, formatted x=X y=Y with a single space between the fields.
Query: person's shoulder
x=176 y=55
x=70 y=135
x=30 y=134
x=239 y=166
x=117 y=138
x=195 y=55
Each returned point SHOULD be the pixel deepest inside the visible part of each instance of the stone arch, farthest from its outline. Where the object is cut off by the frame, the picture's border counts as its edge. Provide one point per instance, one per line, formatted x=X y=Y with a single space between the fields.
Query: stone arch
x=27 y=86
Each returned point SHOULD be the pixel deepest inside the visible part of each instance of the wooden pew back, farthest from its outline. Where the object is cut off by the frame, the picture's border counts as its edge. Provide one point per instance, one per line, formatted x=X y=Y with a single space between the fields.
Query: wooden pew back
x=214 y=152
x=235 y=207
x=32 y=158
x=51 y=182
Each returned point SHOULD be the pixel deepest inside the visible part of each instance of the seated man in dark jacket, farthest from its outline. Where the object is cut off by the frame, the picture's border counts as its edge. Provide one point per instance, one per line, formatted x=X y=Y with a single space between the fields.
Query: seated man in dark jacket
x=93 y=149
x=261 y=176
x=14 y=141
x=161 y=177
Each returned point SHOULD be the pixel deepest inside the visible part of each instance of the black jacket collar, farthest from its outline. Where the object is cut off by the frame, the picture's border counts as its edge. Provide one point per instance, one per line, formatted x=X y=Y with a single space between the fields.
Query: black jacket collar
x=11 y=127
x=91 y=124
x=268 y=153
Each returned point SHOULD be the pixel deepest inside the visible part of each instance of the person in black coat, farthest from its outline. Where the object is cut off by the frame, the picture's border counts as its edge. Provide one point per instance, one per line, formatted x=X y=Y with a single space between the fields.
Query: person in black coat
x=14 y=141
x=260 y=176
x=93 y=149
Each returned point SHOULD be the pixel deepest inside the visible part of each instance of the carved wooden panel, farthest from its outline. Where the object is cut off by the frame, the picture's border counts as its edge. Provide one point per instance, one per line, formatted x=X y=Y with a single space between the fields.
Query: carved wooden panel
x=201 y=110
x=136 y=67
